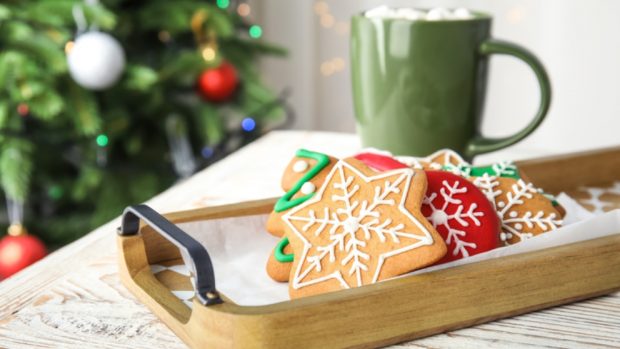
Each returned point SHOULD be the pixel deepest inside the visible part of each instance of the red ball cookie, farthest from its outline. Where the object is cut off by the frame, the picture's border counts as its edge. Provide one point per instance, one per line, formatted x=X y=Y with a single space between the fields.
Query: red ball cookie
x=461 y=214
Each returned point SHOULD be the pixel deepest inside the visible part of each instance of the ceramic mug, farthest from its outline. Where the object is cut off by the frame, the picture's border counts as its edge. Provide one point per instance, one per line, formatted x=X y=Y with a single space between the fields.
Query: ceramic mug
x=419 y=85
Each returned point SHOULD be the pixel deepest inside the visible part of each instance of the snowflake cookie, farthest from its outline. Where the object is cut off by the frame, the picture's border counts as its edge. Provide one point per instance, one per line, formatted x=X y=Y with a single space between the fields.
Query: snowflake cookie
x=435 y=161
x=461 y=214
x=359 y=227
x=523 y=209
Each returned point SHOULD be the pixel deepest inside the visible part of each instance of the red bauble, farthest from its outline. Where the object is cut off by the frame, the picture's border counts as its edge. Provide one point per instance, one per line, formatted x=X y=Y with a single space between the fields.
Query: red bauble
x=218 y=84
x=18 y=252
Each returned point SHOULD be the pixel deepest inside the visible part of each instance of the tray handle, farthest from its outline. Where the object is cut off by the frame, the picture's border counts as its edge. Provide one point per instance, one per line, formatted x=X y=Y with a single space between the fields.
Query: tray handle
x=192 y=252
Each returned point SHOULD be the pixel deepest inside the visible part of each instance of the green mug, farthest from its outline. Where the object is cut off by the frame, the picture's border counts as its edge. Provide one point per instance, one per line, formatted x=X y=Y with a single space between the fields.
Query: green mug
x=419 y=86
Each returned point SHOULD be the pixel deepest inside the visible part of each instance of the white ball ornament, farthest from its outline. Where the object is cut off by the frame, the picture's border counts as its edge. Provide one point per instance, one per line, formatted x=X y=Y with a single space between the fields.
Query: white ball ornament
x=96 y=60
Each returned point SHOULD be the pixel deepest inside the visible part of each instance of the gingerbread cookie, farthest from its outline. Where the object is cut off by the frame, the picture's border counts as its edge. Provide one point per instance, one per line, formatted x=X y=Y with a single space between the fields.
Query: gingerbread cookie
x=499 y=169
x=435 y=161
x=309 y=168
x=280 y=261
x=458 y=210
x=461 y=214
x=360 y=227
x=523 y=210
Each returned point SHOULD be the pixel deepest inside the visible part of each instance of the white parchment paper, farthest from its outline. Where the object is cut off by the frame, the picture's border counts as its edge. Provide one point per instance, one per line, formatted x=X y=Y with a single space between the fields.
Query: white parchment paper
x=239 y=248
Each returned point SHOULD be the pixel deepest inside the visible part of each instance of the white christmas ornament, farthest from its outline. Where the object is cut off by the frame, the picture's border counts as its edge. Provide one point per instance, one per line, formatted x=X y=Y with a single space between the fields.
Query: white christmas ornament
x=96 y=60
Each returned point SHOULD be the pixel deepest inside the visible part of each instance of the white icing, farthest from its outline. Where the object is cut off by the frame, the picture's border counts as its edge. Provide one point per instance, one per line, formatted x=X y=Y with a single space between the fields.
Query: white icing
x=462 y=13
x=512 y=223
x=308 y=188
x=354 y=222
x=462 y=215
x=300 y=166
x=449 y=157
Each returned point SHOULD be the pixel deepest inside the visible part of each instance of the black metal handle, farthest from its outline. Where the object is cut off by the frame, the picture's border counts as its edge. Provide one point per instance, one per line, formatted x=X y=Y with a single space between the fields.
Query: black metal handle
x=195 y=256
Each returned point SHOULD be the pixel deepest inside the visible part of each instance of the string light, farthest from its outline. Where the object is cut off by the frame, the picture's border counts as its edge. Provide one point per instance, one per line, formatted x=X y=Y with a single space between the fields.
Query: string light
x=208 y=53
x=207 y=152
x=244 y=10
x=321 y=8
x=68 y=46
x=223 y=4
x=327 y=20
x=55 y=192
x=248 y=124
x=327 y=68
x=164 y=36
x=102 y=140
x=516 y=14
x=342 y=28
x=255 y=31
x=332 y=66
x=23 y=109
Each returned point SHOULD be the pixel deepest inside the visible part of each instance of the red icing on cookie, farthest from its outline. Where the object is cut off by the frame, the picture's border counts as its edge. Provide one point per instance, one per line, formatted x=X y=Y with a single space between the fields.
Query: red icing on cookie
x=380 y=162
x=462 y=215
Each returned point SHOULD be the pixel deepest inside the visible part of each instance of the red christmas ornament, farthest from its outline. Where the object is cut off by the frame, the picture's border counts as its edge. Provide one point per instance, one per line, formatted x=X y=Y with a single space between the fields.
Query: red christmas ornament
x=18 y=250
x=218 y=84
x=23 y=109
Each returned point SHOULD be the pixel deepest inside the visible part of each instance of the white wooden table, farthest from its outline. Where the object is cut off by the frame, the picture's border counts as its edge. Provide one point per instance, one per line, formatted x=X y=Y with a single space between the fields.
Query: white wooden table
x=74 y=299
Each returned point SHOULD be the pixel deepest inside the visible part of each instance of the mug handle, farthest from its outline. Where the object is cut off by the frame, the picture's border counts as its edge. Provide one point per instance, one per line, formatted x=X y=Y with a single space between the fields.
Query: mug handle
x=480 y=144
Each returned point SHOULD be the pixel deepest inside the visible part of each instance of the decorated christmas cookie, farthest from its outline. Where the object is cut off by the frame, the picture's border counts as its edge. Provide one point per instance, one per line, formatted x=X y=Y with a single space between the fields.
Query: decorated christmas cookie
x=380 y=162
x=280 y=261
x=308 y=168
x=359 y=227
x=462 y=215
x=435 y=161
x=523 y=210
x=499 y=169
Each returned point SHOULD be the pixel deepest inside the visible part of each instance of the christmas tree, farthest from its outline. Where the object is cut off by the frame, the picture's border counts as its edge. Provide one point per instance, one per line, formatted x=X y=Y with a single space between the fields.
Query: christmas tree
x=105 y=104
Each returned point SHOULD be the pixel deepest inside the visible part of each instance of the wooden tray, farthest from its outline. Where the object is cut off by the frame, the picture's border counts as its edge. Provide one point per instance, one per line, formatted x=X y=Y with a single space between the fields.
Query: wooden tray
x=392 y=311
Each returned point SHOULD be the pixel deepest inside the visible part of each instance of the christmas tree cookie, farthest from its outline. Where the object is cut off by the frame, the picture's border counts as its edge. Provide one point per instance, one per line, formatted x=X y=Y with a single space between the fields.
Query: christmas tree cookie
x=308 y=169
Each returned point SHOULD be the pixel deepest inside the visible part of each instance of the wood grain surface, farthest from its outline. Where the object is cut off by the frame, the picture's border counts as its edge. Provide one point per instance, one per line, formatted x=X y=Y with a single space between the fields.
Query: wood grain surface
x=74 y=299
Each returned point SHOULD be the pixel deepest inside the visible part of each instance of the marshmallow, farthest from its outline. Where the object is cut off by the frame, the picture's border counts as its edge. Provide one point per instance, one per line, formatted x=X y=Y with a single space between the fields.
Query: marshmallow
x=409 y=13
x=462 y=13
x=438 y=14
x=381 y=12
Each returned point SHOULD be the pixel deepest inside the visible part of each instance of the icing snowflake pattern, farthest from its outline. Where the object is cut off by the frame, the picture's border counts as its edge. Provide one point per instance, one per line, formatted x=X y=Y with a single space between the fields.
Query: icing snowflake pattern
x=440 y=217
x=349 y=223
x=512 y=223
x=434 y=161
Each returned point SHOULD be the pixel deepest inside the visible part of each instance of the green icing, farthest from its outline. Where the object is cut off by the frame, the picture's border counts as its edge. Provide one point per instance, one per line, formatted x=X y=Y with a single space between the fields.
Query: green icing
x=287 y=200
x=502 y=169
x=279 y=252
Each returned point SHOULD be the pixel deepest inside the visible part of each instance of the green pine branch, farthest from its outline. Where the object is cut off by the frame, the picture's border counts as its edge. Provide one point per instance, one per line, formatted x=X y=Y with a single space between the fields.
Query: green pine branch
x=16 y=168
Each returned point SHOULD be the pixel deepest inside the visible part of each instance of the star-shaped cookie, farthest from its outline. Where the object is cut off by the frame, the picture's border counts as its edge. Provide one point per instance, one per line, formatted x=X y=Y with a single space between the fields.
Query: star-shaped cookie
x=359 y=228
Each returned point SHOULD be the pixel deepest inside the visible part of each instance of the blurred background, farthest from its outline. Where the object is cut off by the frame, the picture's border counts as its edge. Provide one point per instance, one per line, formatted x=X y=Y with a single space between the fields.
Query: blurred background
x=107 y=103
x=576 y=40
